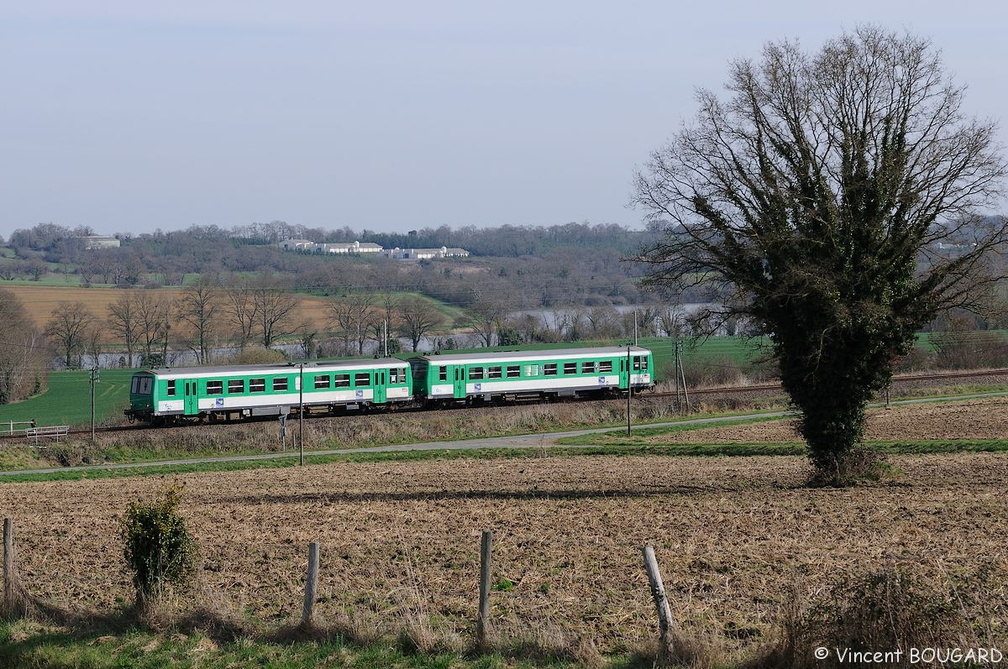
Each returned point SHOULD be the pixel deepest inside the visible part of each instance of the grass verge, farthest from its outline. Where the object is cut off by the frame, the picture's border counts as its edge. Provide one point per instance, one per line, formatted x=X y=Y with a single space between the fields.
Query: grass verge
x=30 y=644
x=624 y=448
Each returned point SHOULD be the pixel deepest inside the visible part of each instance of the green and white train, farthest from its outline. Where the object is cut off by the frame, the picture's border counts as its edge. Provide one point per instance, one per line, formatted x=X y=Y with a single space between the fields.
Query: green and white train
x=160 y=396
x=601 y=371
x=234 y=392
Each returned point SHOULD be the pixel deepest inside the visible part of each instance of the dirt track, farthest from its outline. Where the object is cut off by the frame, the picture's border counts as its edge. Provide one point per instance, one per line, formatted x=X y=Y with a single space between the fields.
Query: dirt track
x=734 y=536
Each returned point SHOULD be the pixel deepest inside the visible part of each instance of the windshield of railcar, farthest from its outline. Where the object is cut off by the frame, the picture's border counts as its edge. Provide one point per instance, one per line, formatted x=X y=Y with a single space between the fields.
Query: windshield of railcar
x=142 y=384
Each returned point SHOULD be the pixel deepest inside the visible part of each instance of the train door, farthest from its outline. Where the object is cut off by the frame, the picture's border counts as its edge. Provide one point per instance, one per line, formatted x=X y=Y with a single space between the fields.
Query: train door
x=380 y=385
x=191 y=398
x=460 y=382
x=624 y=373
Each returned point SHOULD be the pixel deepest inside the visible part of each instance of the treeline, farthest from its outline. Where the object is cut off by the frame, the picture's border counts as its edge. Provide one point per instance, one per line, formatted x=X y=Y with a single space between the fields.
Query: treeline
x=59 y=243
x=577 y=264
x=215 y=321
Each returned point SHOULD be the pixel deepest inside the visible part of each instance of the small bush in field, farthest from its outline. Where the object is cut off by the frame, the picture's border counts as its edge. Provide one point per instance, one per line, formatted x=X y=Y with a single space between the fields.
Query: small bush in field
x=157 y=545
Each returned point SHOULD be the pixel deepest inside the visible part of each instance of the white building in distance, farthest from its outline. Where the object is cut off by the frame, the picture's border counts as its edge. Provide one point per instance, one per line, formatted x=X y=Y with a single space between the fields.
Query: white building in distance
x=341 y=249
x=426 y=254
x=93 y=242
x=308 y=246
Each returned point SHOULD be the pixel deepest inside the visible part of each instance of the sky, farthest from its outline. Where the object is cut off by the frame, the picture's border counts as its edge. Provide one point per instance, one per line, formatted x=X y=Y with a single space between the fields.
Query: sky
x=133 y=116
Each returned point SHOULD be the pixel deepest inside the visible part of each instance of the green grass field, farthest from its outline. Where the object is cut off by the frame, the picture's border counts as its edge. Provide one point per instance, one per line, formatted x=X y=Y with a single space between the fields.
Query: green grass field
x=119 y=642
x=67 y=401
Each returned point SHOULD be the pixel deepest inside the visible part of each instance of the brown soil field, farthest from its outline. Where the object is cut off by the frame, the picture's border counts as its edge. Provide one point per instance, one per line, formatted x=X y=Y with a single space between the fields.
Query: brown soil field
x=975 y=419
x=40 y=301
x=736 y=539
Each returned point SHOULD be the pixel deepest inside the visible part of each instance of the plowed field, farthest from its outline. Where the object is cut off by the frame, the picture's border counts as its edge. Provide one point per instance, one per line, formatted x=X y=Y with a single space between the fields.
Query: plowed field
x=734 y=537
x=974 y=419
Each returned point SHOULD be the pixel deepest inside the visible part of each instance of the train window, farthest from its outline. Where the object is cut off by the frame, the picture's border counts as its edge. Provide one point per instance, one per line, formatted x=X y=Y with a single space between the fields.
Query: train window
x=257 y=385
x=493 y=372
x=362 y=379
x=321 y=381
x=531 y=370
x=236 y=386
x=605 y=367
x=550 y=369
x=280 y=384
x=636 y=362
x=393 y=375
x=341 y=380
x=214 y=387
x=644 y=362
x=171 y=387
x=588 y=367
x=570 y=368
x=513 y=371
x=146 y=385
x=475 y=373
x=442 y=374
x=135 y=385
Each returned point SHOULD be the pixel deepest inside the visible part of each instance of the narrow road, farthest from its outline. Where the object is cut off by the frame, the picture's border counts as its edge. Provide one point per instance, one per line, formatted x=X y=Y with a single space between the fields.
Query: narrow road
x=518 y=441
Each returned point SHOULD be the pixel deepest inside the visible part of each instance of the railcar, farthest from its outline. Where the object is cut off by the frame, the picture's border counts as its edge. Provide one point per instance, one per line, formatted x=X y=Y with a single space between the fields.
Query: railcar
x=233 y=392
x=468 y=377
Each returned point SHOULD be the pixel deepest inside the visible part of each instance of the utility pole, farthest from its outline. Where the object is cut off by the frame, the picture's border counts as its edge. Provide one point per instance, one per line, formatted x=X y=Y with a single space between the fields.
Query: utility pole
x=629 y=388
x=678 y=396
x=681 y=376
x=301 y=414
x=93 y=376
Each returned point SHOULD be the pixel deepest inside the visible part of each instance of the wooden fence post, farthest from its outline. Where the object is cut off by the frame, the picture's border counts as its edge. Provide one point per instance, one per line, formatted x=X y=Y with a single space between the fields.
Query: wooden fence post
x=8 y=561
x=665 y=621
x=482 y=622
x=311 y=583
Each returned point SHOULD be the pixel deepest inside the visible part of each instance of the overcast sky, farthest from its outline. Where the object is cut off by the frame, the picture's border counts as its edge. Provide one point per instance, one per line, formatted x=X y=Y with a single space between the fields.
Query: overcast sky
x=130 y=116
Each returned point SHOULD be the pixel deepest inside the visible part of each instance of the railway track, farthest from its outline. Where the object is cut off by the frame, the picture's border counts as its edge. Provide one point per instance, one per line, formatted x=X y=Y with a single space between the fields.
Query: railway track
x=902 y=380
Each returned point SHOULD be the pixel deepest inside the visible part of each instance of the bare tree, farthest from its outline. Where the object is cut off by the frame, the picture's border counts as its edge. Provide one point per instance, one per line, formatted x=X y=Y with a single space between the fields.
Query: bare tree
x=307 y=335
x=672 y=321
x=153 y=315
x=419 y=318
x=274 y=308
x=385 y=322
x=486 y=315
x=240 y=310
x=352 y=316
x=199 y=308
x=69 y=327
x=124 y=322
x=603 y=322
x=836 y=194
x=94 y=342
x=21 y=351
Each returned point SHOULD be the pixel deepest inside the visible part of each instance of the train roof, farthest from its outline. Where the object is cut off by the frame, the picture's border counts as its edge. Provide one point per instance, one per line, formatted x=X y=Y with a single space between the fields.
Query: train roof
x=533 y=356
x=274 y=368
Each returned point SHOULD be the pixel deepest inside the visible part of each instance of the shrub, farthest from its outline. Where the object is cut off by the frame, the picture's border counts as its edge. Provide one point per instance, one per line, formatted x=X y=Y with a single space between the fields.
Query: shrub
x=917 y=360
x=257 y=356
x=962 y=349
x=894 y=609
x=158 y=547
x=708 y=372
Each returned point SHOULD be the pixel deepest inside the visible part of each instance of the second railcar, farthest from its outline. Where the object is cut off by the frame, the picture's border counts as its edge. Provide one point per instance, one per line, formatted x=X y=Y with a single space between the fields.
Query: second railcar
x=465 y=377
